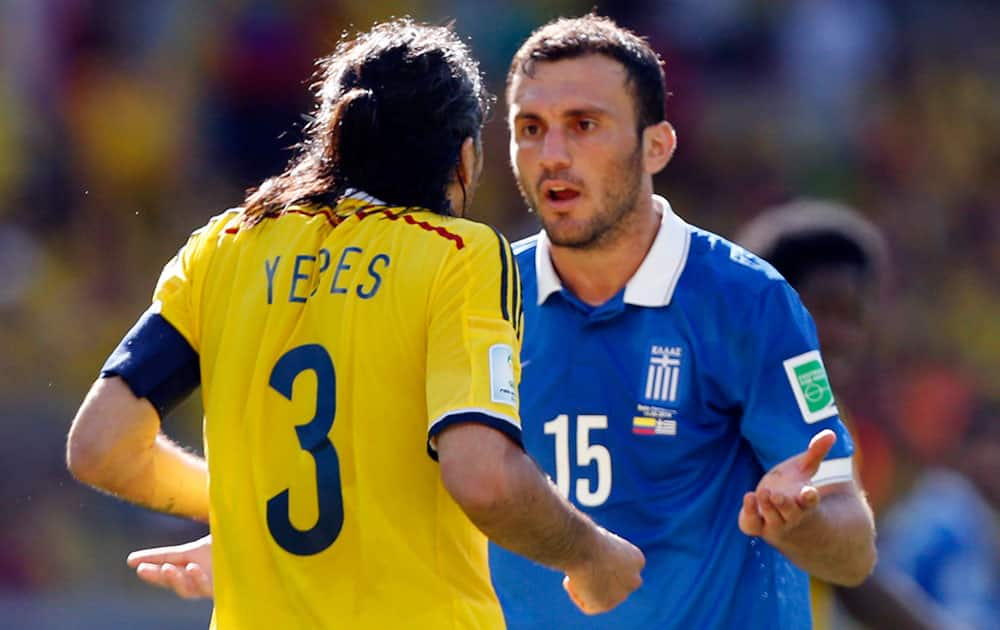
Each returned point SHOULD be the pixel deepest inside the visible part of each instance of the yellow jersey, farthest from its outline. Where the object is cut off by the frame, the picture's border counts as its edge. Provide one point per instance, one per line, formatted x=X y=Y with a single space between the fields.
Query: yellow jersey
x=334 y=344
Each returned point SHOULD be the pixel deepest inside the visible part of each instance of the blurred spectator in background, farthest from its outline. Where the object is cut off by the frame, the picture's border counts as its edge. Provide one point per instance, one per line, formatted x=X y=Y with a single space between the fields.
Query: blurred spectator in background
x=945 y=533
x=837 y=260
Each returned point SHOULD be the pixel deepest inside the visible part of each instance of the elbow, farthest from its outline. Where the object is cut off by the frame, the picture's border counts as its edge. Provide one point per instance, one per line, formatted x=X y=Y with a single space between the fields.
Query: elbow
x=863 y=565
x=84 y=457
x=478 y=487
x=866 y=565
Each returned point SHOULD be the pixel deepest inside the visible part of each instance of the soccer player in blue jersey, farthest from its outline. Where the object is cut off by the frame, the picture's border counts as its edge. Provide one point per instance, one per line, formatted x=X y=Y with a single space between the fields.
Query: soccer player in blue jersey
x=672 y=382
x=673 y=385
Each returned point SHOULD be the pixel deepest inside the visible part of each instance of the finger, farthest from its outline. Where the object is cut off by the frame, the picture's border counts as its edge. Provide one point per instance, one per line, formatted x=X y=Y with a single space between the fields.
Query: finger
x=808 y=498
x=183 y=583
x=177 y=581
x=151 y=574
x=750 y=521
x=772 y=517
x=568 y=586
x=158 y=555
x=819 y=446
x=787 y=507
x=200 y=579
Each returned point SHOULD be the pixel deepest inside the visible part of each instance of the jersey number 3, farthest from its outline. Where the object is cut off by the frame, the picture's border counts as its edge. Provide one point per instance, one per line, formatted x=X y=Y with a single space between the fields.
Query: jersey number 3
x=313 y=439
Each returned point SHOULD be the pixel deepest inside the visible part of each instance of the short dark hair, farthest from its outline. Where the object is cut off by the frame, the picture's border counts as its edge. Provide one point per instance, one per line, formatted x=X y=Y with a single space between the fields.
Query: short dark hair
x=569 y=38
x=806 y=234
x=393 y=106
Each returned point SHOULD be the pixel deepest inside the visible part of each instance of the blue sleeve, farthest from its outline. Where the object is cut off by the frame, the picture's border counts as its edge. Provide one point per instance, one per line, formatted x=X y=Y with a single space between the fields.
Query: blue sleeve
x=788 y=398
x=156 y=362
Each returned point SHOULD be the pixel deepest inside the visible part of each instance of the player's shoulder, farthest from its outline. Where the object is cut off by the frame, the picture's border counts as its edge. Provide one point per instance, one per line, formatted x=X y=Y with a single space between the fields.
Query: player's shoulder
x=226 y=220
x=218 y=228
x=729 y=266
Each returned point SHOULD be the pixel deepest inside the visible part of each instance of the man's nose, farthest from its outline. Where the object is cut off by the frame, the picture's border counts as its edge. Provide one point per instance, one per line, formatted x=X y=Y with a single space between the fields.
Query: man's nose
x=555 y=152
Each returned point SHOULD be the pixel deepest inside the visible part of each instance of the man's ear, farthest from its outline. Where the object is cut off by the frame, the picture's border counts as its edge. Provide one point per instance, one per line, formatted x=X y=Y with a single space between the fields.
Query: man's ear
x=467 y=163
x=658 y=144
x=466 y=175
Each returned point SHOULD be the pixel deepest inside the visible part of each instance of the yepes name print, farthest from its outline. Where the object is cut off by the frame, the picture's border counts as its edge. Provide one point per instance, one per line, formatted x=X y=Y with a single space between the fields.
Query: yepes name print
x=299 y=277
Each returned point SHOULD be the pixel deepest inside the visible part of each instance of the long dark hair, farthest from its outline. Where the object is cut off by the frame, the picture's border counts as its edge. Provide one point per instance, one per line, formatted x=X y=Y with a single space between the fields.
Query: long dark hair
x=394 y=105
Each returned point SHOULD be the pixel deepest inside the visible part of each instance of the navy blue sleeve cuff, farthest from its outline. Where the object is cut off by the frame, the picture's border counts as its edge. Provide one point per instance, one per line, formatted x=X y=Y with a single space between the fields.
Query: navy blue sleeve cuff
x=502 y=425
x=156 y=363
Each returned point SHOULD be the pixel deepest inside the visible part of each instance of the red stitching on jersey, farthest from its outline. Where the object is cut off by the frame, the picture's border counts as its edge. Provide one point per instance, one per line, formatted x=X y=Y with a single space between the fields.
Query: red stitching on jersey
x=330 y=217
x=334 y=220
x=440 y=231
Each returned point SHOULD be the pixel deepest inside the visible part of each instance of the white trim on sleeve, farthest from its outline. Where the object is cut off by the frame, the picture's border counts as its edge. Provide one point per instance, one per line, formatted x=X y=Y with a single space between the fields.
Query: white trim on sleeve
x=834 y=471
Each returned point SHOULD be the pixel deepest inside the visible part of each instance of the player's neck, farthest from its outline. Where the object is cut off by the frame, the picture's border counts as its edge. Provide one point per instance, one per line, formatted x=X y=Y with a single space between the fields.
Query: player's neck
x=596 y=274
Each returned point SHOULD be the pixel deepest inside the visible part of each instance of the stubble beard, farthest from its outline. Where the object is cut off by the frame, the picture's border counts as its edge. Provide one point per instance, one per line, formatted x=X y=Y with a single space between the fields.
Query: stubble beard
x=621 y=184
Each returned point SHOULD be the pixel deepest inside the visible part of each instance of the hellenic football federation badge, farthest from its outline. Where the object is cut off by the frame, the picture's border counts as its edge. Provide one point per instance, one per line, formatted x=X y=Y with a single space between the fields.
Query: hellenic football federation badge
x=811 y=387
x=661 y=392
x=663 y=374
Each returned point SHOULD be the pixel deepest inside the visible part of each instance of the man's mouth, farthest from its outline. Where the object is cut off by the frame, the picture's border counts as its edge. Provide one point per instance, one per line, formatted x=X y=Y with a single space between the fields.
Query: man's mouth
x=558 y=191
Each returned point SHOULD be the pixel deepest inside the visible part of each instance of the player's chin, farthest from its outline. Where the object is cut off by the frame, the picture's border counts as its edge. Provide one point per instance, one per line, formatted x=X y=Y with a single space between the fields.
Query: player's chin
x=567 y=232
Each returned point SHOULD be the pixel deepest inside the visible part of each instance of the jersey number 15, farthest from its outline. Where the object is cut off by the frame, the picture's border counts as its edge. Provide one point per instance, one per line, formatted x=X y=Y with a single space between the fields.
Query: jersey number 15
x=586 y=453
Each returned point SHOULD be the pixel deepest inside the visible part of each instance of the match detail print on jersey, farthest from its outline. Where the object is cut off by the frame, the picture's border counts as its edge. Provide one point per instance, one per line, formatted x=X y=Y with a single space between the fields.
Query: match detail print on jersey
x=503 y=388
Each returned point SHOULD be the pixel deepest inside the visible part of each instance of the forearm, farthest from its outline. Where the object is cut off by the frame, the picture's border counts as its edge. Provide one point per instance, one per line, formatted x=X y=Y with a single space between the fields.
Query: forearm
x=159 y=475
x=116 y=446
x=168 y=479
x=834 y=542
x=535 y=521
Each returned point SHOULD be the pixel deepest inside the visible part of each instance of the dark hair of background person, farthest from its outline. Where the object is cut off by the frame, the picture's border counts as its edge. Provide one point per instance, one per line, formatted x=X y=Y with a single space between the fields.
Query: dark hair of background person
x=804 y=235
x=570 y=38
x=393 y=108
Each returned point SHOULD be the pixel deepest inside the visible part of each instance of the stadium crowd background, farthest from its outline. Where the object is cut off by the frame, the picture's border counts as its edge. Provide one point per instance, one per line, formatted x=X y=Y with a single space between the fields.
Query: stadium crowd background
x=124 y=125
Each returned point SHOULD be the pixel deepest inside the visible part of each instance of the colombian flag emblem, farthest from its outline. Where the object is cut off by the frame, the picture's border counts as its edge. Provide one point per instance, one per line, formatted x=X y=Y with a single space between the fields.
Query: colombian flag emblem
x=642 y=425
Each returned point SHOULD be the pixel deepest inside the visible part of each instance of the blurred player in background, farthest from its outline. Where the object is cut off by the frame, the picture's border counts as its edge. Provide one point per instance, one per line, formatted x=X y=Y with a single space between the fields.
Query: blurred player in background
x=348 y=328
x=945 y=532
x=837 y=261
x=673 y=386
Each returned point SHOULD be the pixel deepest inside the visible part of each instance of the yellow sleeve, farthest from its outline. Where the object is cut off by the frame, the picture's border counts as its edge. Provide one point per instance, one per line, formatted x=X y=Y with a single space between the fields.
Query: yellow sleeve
x=473 y=343
x=176 y=295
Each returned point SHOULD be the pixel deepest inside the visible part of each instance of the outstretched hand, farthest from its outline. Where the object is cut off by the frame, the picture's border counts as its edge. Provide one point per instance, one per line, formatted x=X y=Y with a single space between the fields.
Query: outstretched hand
x=784 y=497
x=185 y=569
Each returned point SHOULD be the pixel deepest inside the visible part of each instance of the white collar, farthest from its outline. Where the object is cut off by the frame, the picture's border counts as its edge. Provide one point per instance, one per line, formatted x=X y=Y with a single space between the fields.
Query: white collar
x=360 y=195
x=653 y=283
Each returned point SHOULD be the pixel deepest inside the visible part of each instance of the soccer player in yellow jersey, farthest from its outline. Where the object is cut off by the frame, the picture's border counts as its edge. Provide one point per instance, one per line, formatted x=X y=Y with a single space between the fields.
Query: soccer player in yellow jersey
x=357 y=345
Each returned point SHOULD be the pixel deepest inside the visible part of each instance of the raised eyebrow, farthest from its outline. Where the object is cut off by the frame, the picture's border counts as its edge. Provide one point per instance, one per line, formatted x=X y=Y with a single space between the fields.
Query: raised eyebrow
x=585 y=112
x=578 y=112
x=520 y=116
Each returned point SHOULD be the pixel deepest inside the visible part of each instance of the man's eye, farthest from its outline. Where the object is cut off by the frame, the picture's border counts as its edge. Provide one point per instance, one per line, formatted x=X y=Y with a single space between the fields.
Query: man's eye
x=529 y=130
x=586 y=125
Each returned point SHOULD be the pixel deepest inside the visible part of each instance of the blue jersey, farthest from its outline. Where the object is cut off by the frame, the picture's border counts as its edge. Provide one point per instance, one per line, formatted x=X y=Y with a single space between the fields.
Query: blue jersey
x=655 y=412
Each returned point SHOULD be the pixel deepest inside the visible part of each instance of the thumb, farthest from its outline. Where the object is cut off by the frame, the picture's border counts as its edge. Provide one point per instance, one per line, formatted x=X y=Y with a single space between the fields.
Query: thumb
x=568 y=586
x=819 y=446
